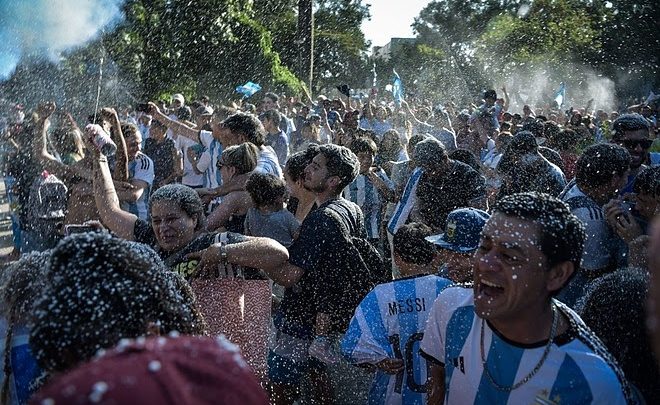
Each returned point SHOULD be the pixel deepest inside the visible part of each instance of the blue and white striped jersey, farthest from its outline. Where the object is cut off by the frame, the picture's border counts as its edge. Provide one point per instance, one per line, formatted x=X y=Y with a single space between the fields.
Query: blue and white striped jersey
x=267 y=162
x=140 y=168
x=364 y=193
x=212 y=178
x=578 y=369
x=405 y=205
x=389 y=323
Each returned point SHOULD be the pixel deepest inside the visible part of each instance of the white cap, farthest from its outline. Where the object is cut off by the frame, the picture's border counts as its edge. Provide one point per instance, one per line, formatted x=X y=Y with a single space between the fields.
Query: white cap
x=179 y=97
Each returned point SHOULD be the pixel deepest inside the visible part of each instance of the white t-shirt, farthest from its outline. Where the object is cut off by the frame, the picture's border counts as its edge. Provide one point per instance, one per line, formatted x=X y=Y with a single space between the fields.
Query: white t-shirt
x=190 y=177
x=576 y=371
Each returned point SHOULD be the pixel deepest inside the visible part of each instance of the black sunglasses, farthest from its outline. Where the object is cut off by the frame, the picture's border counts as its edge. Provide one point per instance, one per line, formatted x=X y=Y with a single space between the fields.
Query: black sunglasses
x=632 y=143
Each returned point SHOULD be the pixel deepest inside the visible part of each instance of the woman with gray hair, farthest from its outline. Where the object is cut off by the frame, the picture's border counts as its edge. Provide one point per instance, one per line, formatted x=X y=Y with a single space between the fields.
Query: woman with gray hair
x=177 y=228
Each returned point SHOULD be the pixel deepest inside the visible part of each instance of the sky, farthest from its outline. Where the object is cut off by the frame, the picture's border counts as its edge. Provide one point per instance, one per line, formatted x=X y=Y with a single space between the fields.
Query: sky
x=391 y=19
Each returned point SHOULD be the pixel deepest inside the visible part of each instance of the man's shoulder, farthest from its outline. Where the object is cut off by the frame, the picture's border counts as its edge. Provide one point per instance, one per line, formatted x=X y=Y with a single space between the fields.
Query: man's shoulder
x=143 y=161
x=453 y=297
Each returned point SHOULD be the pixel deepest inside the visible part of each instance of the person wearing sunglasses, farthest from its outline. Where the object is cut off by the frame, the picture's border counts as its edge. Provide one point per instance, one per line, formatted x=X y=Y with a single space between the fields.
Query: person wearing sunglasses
x=632 y=131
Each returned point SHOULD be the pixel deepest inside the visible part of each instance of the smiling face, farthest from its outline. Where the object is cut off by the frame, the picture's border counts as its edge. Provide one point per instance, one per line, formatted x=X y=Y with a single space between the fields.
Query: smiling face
x=637 y=143
x=173 y=227
x=510 y=271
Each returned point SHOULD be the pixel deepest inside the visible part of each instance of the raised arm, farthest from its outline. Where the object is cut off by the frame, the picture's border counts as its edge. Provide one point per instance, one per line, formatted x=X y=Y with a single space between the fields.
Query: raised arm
x=121 y=163
x=118 y=221
x=177 y=127
x=40 y=149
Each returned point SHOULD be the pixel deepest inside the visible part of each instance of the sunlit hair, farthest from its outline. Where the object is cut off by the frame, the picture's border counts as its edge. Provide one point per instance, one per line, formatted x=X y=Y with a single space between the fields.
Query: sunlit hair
x=411 y=246
x=242 y=157
x=185 y=198
x=561 y=236
x=103 y=289
x=130 y=130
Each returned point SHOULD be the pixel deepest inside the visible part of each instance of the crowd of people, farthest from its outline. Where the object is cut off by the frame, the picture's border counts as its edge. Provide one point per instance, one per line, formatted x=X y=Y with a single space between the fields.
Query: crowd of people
x=402 y=252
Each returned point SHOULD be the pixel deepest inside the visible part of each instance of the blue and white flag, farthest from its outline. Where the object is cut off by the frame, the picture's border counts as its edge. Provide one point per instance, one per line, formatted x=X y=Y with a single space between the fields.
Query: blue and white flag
x=560 y=95
x=248 y=89
x=397 y=89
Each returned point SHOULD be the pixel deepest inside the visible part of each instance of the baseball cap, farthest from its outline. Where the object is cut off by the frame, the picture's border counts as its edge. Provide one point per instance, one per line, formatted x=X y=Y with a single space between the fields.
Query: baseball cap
x=159 y=370
x=462 y=231
x=179 y=97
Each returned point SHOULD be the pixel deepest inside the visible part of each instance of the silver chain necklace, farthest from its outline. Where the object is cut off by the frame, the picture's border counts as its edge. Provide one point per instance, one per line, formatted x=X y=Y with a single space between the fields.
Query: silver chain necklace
x=553 y=330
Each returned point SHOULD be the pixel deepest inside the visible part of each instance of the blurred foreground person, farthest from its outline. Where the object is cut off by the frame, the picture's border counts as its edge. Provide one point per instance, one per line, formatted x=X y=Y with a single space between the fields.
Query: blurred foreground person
x=20 y=282
x=174 y=370
x=389 y=323
x=624 y=331
x=103 y=289
x=507 y=340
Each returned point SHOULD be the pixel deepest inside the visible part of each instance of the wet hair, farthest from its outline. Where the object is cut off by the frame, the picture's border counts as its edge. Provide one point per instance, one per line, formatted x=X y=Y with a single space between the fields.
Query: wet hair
x=413 y=141
x=430 y=152
x=272 y=116
x=68 y=140
x=296 y=164
x=628 y=122
x=364 y=145
x=242 y=157
x=21 y=282
x=247 y=125
x=467 y=157
x=567 y=139
x=561 y=235
x=536 y=127
x=265 y=189
x=340 y=162
x=623 y=331
x=411 y=246
x=522 y=143
x=103 y=289
x=223 y=112
x=599 y=163
x=185 y=197
x=157 y=125
x=648 y=181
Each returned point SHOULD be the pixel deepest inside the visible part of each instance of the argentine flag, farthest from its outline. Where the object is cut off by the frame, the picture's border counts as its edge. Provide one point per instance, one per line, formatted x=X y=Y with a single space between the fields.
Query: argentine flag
x=397 y=89
x=248 y=89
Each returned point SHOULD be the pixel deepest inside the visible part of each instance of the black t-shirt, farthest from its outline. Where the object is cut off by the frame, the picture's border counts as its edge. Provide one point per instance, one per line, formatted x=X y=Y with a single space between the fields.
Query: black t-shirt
x=162 y=154
x=319 y=251
x=439 y=195
x=176 y=261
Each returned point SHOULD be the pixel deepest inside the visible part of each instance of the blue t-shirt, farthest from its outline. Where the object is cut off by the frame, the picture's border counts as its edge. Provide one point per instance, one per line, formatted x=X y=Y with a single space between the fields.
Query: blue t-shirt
x=577 y=370
x=389 y=323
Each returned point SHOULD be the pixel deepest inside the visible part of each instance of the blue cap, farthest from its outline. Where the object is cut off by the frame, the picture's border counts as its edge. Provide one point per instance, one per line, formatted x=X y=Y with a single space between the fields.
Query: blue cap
x=462 y=231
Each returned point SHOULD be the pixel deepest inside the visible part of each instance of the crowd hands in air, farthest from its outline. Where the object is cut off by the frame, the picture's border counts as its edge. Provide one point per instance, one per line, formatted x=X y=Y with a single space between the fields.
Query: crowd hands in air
x=416 y=253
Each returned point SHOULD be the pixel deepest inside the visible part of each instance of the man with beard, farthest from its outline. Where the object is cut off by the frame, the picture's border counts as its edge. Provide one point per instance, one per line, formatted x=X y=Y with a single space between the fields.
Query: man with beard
x=632 y=132
x=317 y=278
x=506 y=340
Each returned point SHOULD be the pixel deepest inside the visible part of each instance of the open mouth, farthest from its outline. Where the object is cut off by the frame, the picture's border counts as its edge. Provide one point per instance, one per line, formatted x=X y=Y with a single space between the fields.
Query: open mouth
x=490 y=288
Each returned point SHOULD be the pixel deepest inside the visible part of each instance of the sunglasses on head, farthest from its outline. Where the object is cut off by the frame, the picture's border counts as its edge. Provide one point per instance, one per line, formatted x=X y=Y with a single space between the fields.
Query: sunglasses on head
x=632 y=143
